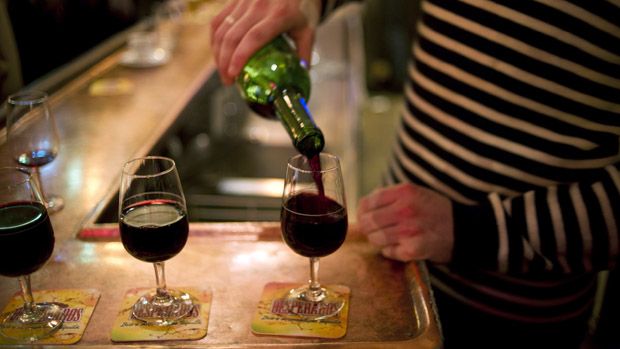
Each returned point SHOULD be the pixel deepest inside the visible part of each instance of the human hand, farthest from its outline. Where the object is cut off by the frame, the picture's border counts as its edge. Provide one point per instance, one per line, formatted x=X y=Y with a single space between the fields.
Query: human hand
x=408 y=222
x=244 y=26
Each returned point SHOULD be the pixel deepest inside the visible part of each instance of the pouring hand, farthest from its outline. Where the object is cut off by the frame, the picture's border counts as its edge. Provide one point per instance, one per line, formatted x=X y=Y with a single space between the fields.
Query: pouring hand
x=244 y=26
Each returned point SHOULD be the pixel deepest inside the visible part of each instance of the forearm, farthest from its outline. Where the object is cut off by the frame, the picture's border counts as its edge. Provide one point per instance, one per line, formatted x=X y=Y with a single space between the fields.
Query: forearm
x=565 y=228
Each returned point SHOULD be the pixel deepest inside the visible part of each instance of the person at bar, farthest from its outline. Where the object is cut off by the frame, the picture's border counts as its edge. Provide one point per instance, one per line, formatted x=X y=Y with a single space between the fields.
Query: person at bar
x=505 y=173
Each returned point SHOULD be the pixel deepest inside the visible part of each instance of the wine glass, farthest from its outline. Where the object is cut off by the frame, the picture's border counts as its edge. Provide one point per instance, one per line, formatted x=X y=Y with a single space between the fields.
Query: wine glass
x=314 y=224
x=33 y=137
x=154 y=228
x=27 y=242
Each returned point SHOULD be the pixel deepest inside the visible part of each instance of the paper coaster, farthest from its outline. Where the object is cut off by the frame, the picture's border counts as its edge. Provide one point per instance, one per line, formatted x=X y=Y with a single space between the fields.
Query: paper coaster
x=271 y=320
x=77 y=305
x=194 y=326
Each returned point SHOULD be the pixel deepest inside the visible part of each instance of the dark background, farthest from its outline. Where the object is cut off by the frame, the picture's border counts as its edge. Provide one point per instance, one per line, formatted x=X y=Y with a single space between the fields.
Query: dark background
x=50 y=33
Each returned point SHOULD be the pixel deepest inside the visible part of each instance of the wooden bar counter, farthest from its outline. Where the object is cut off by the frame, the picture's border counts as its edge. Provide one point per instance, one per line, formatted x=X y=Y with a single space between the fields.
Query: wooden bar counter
x=391 y=305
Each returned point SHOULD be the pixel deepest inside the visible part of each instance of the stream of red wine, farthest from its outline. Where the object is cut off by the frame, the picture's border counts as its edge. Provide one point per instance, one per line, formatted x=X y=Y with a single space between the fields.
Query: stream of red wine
x=315 y=166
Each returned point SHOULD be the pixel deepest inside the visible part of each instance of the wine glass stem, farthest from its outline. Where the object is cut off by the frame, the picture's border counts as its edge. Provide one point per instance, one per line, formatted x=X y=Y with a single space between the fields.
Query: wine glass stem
x=37 y=178
x=315 y=286
x=24 y=284
x=160 y=277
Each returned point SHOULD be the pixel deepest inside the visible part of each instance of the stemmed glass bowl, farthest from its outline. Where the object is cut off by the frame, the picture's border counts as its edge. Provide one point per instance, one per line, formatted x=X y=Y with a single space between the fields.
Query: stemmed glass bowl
x=314 y=224
x=154 y=228
x=27 y=242
x=33 y=137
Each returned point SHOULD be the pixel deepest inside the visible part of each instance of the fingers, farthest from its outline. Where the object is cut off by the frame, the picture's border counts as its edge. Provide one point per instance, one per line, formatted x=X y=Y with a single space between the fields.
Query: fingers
x=218 y=25
x=228 y=35
x=408 y=249
x=378 y=219
x=217 y=20
x=384 y=208
x=243 y=42
x=304 y=40
x=390 y=235
x=380 y=197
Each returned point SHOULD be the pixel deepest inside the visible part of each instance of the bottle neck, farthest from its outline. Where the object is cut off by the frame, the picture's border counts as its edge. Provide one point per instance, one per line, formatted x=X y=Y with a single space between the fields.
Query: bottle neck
x=291 y=109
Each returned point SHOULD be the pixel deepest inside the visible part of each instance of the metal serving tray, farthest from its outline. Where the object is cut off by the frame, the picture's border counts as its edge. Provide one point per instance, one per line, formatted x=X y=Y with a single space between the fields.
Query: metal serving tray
x=391 y=305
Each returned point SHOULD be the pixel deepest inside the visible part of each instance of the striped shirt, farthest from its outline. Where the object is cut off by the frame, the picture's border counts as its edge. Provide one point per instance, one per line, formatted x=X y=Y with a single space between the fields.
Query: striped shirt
x=513 y=112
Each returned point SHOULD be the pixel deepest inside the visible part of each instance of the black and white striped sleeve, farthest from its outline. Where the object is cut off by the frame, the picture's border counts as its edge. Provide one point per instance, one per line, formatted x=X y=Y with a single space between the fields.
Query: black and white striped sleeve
x=564 y=228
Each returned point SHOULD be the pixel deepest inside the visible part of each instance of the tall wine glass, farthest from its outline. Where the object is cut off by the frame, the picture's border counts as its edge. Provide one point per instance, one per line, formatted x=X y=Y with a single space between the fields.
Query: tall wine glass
x=154 y=228
x=27 y=242
x=33 y=137
x=314 y=224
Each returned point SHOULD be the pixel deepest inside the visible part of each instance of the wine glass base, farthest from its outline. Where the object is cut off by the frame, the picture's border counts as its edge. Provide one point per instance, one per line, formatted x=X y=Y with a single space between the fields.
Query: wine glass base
x=314 y=305
x=54 y=203
x=157 y=311
x=45 y=320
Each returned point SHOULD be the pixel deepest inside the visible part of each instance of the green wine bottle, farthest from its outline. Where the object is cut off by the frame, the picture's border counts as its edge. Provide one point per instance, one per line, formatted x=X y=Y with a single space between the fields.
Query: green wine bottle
x=276 y=85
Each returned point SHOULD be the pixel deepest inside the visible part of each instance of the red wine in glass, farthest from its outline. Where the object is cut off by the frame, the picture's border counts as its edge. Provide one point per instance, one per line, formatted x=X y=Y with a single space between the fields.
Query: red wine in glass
x=158 y=238
x=26 y=243
x=24 y=225
x=313 y=225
